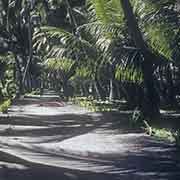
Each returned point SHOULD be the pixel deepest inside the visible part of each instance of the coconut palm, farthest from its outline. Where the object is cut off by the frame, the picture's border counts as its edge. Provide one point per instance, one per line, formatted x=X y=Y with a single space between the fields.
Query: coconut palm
x=156 y=53
x=126 y=51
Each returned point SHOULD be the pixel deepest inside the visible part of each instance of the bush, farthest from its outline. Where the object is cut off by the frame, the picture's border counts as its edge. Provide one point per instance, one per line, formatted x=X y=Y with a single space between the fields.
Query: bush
x=5 y=105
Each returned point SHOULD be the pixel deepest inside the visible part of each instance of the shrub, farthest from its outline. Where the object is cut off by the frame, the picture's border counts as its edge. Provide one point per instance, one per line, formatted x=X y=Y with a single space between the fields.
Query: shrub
x=5 y=105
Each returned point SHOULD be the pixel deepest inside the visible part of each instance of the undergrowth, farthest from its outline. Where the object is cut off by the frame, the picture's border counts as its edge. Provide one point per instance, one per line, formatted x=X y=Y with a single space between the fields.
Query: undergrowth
x=95 y=105
x=34 y=92
x=5 y=105
x=163 y=133
x=138 y=120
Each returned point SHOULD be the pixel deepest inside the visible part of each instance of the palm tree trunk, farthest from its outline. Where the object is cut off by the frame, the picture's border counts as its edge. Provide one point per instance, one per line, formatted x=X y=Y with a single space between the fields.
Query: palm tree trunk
x=96 y=93
x=99 y=90
x=111 y=83
x=1 y=95
x=30 y=46
x=150 y=106
x=19 y=77
x=170 y=86
x=65 y=89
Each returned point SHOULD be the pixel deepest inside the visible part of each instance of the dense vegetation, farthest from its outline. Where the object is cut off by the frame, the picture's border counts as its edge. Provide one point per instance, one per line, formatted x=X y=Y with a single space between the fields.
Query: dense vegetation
x=107 y=50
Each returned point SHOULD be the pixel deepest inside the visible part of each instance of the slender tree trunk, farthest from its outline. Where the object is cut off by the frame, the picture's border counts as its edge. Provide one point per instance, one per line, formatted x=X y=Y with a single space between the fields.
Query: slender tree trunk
x=150 y=107
x=151 y=101
x=111 y=83
x=85 y=89
x=170 y=86
x=19 y=77
x=30 y=56
x=1 y=95
x=96 y=91
x=46 y=7
x=100 y=92
x=118 y=92
x=3 y=81
x=65 y=89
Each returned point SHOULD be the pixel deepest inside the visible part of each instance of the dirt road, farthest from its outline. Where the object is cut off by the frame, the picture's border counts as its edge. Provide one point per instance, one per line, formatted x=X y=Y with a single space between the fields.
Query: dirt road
x=44 y=138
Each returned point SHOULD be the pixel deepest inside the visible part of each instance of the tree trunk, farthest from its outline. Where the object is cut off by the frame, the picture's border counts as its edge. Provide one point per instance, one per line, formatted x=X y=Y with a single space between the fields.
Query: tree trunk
x=111 y=83
x=171 y=99
x=1 y=95
x=151 y=101
x=30 y=56
x=117 y=88
x=100 y=92
x=19 y=78
x=150 y=106
x=65 y=89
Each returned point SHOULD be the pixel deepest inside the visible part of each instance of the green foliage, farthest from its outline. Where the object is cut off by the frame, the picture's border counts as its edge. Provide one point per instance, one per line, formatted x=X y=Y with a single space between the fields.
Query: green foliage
x=34 y=92
x=159 y=23
x=106 y=11
x=95 y=105
x=130 y=74
x=5 y=105
x=7 y=82
x=11 y=88
x=55 y=64
x=62 y=44
x=106 y=25
x=160 y=37
x=84 y=72
x=163 y=133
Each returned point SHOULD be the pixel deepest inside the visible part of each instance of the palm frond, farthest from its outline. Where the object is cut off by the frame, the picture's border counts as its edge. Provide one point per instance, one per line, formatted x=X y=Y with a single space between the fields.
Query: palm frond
x=62 y=42
x=57 y=64
x=105 y=11
x=129 y=68
x=84 y=72
x=159 y=21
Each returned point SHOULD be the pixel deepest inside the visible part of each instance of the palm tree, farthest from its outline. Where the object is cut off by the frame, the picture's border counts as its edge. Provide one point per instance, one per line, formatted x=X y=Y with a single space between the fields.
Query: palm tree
x=121 y=40
x=151 y=58
x=112 y=12
x=151 y=103
x=61 y=70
